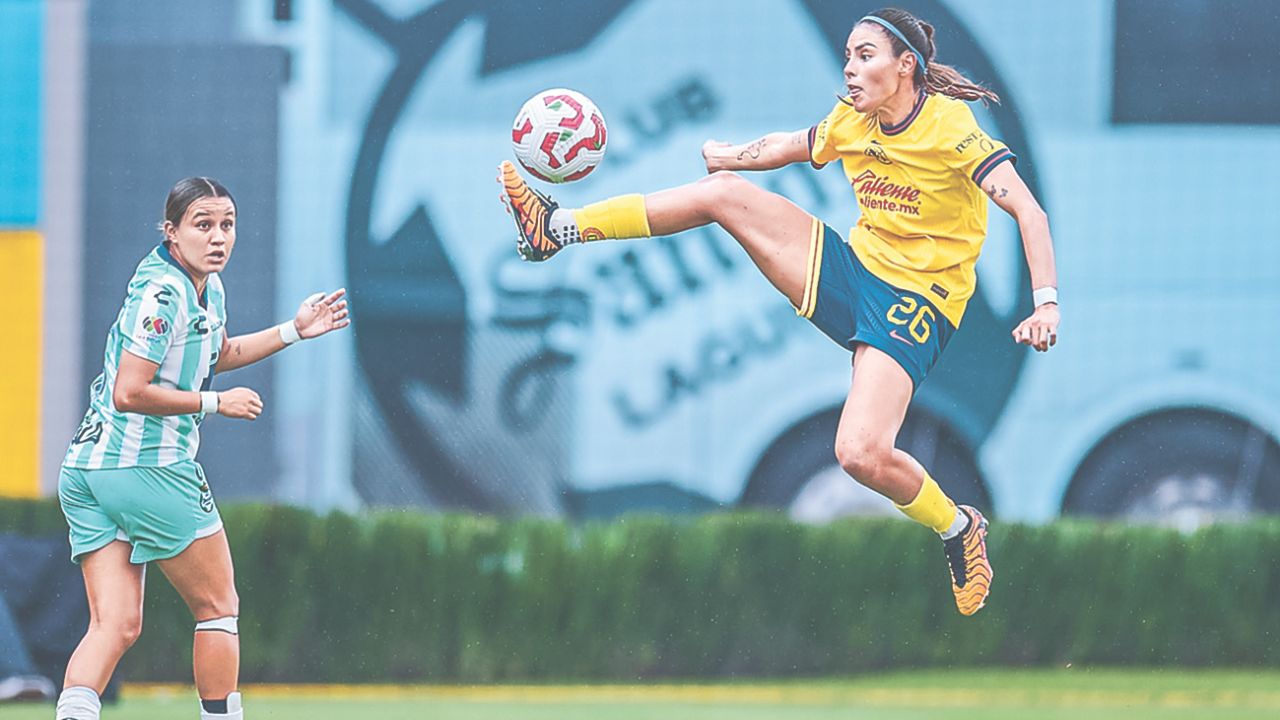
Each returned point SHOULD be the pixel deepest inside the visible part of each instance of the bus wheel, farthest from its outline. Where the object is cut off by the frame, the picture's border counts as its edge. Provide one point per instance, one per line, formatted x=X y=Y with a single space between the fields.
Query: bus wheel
x=1183 y=467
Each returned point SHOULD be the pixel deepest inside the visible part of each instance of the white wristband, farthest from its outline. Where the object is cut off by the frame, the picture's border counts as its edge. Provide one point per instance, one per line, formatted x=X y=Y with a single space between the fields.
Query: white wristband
x=288 y=333
x=209 y=402
x=1043 y=295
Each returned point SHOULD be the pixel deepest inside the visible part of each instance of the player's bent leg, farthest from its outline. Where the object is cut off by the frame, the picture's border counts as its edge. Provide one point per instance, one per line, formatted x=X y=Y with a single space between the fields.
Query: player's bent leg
x=114 y=588
x=873 y=413
x=204 y=576
x=869 y=422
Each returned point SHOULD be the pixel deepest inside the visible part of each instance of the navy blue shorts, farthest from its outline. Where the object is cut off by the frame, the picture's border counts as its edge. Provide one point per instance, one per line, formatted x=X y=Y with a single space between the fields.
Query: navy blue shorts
x=851 y=305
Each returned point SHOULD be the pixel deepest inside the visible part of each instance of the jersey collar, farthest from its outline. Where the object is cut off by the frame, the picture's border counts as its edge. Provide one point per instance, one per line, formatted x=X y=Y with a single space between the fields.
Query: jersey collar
x=163 y=251
x=906 y=122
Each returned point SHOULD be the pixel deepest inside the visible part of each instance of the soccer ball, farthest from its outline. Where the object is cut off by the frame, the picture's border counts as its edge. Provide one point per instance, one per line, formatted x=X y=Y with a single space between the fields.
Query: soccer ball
x=559 y=135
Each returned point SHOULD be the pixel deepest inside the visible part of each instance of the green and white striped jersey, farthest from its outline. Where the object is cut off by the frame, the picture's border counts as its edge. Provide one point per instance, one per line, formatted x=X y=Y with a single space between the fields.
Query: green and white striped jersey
x=164 y=321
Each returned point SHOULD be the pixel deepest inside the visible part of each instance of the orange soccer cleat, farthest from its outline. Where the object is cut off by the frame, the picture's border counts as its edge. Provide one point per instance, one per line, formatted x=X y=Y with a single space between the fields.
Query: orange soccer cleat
x=532 y=211
x=970 y=569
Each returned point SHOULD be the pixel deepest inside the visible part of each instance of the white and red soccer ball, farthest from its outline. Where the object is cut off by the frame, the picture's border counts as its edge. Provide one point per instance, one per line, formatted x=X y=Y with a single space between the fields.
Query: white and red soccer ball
x=559 y=136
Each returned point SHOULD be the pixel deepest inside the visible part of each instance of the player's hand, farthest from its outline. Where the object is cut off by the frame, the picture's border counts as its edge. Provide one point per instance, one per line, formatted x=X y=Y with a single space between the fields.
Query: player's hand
x=711 y=158
x=241 y=403
x=1040 y=331
x=322 y=313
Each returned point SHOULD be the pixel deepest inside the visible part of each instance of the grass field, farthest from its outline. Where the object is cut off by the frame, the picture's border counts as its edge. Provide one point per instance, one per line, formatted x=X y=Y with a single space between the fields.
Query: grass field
x=986 y=695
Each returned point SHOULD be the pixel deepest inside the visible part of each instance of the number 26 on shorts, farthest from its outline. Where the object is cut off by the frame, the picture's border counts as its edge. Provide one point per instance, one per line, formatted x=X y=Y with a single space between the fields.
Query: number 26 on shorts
x=917 y=316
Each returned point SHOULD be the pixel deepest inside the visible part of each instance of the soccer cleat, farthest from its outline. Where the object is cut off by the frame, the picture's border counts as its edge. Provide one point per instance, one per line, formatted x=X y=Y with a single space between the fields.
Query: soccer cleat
x=967 y=558
x=532 y=211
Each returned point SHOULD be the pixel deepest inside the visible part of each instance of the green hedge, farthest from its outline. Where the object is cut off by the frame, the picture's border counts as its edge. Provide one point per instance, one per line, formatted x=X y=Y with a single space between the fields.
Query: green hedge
x=401 y=596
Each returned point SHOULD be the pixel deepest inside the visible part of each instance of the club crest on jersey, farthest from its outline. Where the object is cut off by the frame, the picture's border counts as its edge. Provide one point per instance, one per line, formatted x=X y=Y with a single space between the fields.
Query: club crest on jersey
x=875 y=151
x=155 y=327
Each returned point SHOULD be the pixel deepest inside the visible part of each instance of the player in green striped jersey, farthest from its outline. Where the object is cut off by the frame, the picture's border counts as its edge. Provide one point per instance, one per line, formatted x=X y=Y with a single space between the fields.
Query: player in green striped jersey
x=130 y=486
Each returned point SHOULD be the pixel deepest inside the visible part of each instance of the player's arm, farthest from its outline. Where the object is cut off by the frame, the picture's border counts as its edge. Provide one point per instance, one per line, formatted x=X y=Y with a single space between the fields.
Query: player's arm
x=135 y=393
x=1006 y=188
x=770 y=152
x=244 y=350
x=319 y=314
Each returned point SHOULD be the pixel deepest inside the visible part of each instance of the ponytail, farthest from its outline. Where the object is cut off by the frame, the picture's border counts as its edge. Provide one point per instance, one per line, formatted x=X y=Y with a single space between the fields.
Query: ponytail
x=946 y=80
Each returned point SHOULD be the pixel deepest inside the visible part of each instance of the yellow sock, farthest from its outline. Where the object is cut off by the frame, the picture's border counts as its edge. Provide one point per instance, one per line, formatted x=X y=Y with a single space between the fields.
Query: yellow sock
x=623 y=216
x=931 y=508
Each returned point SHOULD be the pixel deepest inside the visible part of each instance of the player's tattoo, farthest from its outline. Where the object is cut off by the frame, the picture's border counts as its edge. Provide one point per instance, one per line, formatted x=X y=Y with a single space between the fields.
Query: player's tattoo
x=753 y=150
x=997 y=193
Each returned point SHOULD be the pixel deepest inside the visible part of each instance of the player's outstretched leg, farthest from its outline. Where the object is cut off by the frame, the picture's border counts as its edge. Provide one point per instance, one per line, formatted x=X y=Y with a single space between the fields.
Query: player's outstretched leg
x=775 y=232
x=544 y=227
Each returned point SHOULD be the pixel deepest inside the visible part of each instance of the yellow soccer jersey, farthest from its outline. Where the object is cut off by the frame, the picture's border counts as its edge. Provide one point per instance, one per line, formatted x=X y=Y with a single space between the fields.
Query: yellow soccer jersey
x=924 y=215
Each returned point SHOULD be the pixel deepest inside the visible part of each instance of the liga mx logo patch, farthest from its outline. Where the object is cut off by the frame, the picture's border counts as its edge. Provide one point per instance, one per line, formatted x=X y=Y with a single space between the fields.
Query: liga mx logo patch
x=155 y=327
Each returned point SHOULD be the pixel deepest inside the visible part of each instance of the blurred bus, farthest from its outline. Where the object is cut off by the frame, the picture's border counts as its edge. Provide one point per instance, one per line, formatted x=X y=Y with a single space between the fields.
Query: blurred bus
x=667 y=374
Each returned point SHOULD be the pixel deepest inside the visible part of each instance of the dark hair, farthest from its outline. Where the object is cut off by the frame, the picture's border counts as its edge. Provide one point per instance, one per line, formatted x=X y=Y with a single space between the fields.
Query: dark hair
x=935 y=77
x=187 y=191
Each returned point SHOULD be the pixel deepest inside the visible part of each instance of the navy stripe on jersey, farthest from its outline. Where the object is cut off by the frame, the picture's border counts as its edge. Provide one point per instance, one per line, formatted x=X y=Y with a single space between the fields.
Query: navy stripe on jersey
x=906 y=122
x=813 y=136
x=986 y=166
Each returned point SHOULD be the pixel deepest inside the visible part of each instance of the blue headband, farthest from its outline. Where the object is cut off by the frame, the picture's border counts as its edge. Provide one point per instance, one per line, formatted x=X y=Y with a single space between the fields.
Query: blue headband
x=924 y=66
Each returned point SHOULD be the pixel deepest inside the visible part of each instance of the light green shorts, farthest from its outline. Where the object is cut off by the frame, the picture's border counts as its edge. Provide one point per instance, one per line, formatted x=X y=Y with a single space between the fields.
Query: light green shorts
x=158 y=510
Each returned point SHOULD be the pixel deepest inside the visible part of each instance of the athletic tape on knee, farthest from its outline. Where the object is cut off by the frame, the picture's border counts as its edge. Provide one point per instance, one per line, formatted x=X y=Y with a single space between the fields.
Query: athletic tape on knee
x=227 y=624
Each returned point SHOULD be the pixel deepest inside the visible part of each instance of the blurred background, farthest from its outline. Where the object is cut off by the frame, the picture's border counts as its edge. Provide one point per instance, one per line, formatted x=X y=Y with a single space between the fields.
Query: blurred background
x=360 y=139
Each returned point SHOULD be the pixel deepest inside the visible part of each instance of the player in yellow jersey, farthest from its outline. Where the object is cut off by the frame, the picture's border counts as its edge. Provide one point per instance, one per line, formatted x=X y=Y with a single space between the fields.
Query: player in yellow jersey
x=894 y=294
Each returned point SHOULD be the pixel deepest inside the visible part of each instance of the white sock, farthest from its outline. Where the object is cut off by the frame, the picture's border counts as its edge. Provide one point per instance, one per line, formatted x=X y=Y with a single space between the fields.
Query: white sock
x=564 y=227
x=958 y=525
x=235 y=710
x=78 y=703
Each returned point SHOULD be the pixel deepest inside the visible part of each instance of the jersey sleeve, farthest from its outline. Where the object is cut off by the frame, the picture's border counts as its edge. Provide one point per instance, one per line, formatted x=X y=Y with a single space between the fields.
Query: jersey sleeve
x=968 y=147
x=150 y=321
x=822 y=143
